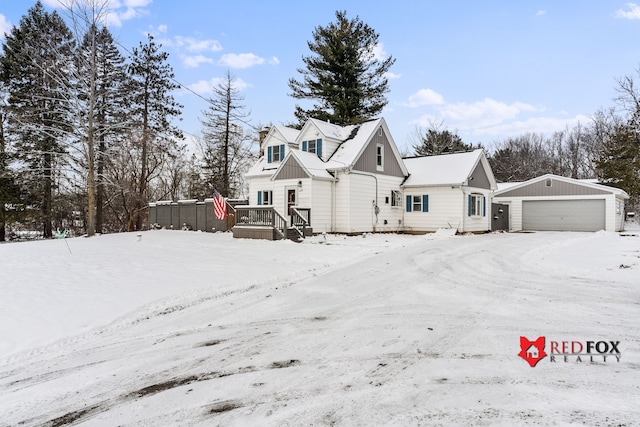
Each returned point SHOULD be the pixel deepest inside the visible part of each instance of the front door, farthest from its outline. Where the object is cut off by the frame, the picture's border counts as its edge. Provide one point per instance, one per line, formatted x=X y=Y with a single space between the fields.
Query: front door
x=292 y=198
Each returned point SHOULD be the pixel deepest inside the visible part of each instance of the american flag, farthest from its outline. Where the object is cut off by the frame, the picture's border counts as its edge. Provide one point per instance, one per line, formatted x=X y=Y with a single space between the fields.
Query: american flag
x=219 y=205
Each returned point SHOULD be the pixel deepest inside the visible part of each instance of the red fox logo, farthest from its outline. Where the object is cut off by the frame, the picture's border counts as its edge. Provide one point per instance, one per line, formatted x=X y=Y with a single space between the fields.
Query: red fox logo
x=532 y=351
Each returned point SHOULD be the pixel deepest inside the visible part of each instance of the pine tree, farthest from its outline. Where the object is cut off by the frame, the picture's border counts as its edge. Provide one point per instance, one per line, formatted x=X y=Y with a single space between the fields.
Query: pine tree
x=151 y=111
x=343 y=76
x=36 y=64
x=434 y=140
x=225 y=147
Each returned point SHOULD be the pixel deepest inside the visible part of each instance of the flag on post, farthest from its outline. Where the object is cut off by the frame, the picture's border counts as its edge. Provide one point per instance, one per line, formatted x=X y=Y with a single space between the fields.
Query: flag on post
x=219 y=205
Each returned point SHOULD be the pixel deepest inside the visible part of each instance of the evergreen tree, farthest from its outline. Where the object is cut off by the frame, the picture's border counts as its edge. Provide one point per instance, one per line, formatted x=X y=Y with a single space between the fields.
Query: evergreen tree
x=36 y=64
x=619 y=161
x=343 y=76
x=434 y=140
x=225 y=147
x=151 y=111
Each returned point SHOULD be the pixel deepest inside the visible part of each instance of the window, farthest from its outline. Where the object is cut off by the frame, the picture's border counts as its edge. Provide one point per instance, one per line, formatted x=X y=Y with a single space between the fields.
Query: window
x=265 y=197
x=275 y=153
x=396 y=199
x=417 y=203
x=380 y=157
x=477 y=205
x=313 y=146
x=548 y=183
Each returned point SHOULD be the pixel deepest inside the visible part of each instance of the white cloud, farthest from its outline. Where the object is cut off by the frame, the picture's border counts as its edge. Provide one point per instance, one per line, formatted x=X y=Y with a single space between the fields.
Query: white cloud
x=5 y=26
x=532 y=124
x=195 y=61
x=196 y=45
x=487 y=112
x=205 y=87
x=632 y=13
x=163 y=28
x=379 y=53
x=244 y=60
x=424 y=97
x=541 y=12
x=392 y=76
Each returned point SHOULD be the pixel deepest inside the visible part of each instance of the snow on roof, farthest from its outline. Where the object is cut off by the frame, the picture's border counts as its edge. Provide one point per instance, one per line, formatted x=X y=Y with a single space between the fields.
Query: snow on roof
x=260 y=168
x=348 y=151
x=445 y=169
x=312 y=163
x=333 y=131
x=290 y=134
x=504 y=187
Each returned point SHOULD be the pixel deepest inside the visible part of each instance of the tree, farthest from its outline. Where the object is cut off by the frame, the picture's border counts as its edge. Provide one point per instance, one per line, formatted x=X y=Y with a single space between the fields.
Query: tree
x=36 y=66
x=9 y=190
x=344 y=76
x=225 y=147
x=152 y=109
x=435 y=140
x=619 y=160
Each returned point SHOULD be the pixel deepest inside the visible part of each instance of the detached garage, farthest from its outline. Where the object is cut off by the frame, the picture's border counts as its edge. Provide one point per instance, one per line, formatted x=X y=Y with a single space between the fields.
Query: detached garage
x=556 y=203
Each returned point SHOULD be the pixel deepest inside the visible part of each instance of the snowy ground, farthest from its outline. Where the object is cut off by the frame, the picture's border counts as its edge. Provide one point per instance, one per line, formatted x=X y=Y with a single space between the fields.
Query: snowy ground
x=187 y=328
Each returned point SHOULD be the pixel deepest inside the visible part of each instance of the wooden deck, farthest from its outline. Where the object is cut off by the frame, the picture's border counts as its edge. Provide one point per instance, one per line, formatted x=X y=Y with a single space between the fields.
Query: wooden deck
x=265 y=222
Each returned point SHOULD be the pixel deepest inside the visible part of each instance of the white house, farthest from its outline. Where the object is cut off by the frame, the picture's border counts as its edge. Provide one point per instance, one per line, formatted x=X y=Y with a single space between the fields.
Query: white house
x=352 y=179
x=556 y=203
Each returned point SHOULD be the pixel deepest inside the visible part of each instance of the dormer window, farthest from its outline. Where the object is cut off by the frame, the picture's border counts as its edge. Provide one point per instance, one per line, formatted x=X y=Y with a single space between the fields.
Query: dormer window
x=275 y=153
x=313 y=146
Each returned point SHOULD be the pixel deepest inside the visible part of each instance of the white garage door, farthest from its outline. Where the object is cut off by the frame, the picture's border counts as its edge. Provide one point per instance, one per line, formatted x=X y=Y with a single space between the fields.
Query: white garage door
x=563 y=215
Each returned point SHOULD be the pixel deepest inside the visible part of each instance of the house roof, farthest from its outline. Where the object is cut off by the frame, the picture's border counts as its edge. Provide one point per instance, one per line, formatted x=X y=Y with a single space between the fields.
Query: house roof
x=310 y=162
x=507 y=187
x=444 y=169
x=353 y=143
x=262 y=168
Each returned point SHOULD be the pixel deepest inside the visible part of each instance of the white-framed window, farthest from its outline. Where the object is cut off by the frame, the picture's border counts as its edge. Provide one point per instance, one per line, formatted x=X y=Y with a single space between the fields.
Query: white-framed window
x=265 y=197
x=380 y=157
x=396 y=199
x=417 y=203
x=313 y=146
x=477 y=205
x=275 y=153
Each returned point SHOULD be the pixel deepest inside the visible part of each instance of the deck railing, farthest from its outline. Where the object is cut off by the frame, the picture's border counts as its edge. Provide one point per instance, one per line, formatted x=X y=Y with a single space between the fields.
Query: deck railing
x=261 y=216
x=300 y=219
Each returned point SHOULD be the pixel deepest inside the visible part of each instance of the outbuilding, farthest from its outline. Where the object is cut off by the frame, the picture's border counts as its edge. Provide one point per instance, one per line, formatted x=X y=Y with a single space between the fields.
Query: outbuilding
x=556 y=203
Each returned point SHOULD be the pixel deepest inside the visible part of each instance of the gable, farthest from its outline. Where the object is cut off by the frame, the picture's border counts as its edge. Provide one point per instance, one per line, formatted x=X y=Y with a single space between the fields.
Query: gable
x=291 y=169
x=479 y=177
x=367 y=162
x=557 y=188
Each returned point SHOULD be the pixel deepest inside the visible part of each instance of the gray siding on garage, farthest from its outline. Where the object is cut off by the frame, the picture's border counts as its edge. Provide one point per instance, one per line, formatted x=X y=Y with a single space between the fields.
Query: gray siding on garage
x=557 y=188
x=563 y=215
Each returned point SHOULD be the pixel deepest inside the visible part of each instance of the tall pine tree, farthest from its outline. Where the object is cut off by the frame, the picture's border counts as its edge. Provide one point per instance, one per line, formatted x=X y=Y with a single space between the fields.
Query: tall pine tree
x=152 y=108
x=36 y=65
x=344 y=77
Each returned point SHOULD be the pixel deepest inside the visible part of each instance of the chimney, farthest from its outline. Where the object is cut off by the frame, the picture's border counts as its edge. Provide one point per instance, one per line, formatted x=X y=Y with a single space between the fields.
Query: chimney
x=262 y=134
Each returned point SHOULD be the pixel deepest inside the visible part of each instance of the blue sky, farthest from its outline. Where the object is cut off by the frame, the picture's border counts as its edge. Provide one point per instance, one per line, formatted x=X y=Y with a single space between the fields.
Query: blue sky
x=486 y=69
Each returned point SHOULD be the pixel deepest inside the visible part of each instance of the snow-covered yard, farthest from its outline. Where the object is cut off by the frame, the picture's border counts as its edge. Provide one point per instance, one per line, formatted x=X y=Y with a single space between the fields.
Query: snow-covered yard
x=188 y=328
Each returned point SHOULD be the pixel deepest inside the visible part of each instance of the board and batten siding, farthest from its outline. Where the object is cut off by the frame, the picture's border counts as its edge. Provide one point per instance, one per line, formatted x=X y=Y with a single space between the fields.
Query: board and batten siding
x=445 y=209
x=367 y=162
x=291 y=169
x=479 y=177
x=556 y=188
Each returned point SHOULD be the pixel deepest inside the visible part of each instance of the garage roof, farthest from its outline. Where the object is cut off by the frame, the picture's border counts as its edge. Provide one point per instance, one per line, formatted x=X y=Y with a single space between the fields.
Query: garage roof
x=556 y=185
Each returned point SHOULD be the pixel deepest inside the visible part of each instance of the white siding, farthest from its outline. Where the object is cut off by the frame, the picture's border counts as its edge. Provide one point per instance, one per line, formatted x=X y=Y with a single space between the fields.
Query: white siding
x=393 y=215
x=476 y=223
x=329 y=145
x=321 y=207
x=341 y=203
x=258 y=184
x=619 y=214
x=446 y=207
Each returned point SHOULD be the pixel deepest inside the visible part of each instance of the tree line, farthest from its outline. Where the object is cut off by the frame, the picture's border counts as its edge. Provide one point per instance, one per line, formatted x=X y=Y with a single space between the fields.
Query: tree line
x=87 y=134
